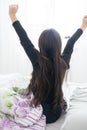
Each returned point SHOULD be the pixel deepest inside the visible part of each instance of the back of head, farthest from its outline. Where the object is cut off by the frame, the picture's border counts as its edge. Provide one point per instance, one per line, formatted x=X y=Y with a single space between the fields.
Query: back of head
x=50 y=43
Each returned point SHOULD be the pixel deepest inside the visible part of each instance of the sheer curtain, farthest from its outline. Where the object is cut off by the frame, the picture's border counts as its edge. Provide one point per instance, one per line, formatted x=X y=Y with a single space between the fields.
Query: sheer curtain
x=35 y=16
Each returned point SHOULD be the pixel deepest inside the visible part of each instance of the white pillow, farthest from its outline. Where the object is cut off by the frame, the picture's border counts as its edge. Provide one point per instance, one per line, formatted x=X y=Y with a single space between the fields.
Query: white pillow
x=76 y=117
x=14 y=79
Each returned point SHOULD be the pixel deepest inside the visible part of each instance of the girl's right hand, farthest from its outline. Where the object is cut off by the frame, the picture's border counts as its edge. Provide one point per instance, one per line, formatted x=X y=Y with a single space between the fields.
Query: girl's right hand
x=12 y=12
x=13 y=9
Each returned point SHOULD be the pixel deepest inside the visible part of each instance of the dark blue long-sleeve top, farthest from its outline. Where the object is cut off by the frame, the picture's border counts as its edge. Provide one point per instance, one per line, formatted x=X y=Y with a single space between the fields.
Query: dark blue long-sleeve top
x=33 y=53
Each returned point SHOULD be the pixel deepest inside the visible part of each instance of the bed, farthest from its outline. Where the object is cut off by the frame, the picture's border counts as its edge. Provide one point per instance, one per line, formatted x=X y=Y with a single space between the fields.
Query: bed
x=69 y=89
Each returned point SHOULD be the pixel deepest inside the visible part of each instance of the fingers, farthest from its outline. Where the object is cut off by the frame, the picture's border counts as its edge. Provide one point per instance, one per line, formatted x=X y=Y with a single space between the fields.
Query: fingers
x=13 y=9
x=13 y=6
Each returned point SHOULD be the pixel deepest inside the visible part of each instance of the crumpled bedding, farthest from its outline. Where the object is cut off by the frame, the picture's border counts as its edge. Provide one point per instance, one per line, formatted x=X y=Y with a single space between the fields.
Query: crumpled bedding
x=76 y=117
x=16 y=112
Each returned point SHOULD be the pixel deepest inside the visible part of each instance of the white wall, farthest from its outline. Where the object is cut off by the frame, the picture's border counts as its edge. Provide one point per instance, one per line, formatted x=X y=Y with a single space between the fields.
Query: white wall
x=35 y=16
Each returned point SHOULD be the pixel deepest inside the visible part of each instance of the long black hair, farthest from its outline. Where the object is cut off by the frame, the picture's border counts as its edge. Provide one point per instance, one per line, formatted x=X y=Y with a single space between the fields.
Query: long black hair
x=51 y=67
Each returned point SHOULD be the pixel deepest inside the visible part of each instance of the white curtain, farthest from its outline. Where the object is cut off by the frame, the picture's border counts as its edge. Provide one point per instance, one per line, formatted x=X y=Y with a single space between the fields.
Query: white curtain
x=35 y=16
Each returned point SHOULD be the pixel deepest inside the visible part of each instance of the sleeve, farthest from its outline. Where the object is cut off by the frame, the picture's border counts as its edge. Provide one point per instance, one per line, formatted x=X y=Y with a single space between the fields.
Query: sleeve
x=29 y=48
x=66 y=55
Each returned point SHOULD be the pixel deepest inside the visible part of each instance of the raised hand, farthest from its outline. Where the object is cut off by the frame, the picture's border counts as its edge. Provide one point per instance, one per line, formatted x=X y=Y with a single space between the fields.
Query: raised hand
x=12 y=12
x=13 y=9
x=84 y=23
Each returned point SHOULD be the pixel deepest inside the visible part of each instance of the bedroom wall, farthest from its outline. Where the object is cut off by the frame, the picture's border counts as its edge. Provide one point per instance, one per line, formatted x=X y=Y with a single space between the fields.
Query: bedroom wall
x=35 y=16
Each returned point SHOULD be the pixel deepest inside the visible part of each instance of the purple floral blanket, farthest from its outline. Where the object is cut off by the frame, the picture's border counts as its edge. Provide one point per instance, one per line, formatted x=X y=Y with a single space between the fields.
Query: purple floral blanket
x=16 y=112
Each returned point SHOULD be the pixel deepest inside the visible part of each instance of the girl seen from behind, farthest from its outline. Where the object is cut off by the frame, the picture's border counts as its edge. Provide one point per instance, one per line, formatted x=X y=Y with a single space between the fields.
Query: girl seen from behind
x=49 y=66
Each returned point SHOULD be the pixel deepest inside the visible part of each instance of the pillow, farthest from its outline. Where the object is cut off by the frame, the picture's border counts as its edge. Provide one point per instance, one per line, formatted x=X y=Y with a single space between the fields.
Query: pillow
x=14 y=79
x=76 y=117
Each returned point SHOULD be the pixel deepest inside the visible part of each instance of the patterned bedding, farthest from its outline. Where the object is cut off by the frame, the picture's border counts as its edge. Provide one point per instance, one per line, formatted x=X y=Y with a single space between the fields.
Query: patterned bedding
x=15 y=110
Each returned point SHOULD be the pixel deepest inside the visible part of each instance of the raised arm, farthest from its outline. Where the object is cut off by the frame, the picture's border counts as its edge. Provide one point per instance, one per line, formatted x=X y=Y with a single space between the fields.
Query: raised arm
x=66 y=55
x=24 y=39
